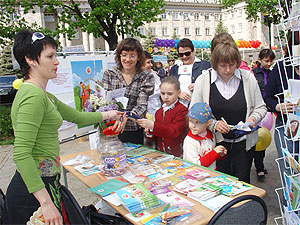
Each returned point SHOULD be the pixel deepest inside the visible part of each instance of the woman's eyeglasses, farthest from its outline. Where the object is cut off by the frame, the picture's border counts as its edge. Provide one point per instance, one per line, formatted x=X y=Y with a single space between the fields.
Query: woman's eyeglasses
x=37 y=36
x=185 y=53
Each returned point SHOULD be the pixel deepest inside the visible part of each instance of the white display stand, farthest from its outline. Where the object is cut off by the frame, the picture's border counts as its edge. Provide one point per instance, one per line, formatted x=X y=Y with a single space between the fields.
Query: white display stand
x=288 y=165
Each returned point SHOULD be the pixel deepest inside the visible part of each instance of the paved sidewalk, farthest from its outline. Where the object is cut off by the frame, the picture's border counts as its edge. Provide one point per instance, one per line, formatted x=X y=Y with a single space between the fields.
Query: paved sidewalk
x=84 y=197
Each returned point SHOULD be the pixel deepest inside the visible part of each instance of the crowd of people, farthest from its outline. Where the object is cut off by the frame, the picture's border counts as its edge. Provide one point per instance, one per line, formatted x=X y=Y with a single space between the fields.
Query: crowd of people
x=194 y=104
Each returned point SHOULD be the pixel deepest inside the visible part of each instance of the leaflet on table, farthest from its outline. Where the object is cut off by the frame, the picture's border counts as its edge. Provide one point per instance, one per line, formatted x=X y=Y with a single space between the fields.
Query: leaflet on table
x=139 y=160
x=108 y=186
x=290 y=159
x=136 y=217
x=186 y=186
x=174 y=199
x=215 y=203
x=204 y=192
x=229 y=187
x=129 y=146
x=164 y=173
x=136 y=198
x=194 y=174
x=176 y=163
x=162 y=158
x=77 y=160
x=139 y=151
x=113 y=198
x=293 y=190
x=89 y=168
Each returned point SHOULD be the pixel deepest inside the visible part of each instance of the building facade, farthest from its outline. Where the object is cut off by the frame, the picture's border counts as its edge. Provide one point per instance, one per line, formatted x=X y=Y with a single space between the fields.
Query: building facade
x=193 y=19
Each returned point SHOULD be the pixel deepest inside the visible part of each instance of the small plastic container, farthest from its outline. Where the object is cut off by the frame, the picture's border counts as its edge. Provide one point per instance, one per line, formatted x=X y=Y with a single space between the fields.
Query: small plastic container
x=113 y=158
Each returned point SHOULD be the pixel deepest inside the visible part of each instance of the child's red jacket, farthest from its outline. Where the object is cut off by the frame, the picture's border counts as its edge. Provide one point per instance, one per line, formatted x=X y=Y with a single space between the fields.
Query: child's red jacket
x=170 y=129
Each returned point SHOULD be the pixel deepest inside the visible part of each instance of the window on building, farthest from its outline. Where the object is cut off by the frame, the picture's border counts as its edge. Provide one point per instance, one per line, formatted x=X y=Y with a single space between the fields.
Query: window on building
x=206 y=16
x=207 y=31
x=13 y=16
x=197 y=31
x=49 y=17
x=164 y=16
x=164 y=31
x=185 y=16
x=217 y=16
x=153 y=30
x=240 y=27
x=197 y=16
x=232 y=29
x=141 y=30
x=176 y=31
x=175 y=16
x=187 y=31
x=76 y=35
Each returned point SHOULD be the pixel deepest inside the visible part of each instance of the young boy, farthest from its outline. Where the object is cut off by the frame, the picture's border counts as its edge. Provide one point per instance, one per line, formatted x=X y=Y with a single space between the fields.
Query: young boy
x=199 y=144
x=261 y=73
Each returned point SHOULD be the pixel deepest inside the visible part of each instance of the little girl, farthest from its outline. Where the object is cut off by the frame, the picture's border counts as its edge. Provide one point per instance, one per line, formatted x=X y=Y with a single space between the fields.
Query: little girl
x=170 y=126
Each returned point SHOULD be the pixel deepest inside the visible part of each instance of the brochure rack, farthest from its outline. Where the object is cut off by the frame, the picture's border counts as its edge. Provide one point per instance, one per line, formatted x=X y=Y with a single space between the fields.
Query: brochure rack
x=288 y=164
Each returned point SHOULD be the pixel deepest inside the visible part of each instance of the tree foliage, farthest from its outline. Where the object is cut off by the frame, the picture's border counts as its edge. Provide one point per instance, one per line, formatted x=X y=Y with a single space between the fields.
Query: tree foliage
x=102 y=18
x=220 y=27
x=267 y=7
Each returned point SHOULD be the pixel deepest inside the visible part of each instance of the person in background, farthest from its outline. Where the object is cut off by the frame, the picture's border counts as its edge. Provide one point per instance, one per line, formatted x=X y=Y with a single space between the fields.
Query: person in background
x=189 y=69
x=36 y=116
x=154 y=102
x=160 y=70
x=199 y=146
x=233 y=95
x=274 y=96
x=139 y=84
x=261 y=73
x=170 y=125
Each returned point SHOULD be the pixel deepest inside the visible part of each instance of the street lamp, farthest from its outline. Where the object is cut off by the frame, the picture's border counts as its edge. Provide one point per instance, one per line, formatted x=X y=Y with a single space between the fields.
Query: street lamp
x=268 y=19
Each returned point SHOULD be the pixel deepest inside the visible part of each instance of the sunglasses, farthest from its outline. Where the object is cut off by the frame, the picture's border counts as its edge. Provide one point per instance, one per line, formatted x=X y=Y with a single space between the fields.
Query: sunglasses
x=185 y=53
x=37 y=36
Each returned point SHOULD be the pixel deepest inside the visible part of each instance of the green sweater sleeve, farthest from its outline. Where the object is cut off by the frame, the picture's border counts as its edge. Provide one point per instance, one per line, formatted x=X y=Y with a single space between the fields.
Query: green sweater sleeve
x=72 y=115
x=27 y=114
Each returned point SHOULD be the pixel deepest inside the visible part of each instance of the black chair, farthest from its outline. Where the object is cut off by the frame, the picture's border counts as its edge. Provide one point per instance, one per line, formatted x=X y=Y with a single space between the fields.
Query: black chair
x=252 y=211
x=73 y=209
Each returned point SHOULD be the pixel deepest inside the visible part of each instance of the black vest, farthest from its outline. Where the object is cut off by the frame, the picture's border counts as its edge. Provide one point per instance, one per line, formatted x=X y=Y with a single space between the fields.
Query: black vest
x=232 y=110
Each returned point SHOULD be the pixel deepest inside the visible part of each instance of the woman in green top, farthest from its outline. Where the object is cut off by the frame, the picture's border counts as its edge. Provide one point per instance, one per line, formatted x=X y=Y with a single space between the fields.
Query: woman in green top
x=36 y=116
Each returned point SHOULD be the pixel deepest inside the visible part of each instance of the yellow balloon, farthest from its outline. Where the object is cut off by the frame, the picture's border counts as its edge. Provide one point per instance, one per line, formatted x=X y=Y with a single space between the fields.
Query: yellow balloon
x=264 y=139
x=17 y=83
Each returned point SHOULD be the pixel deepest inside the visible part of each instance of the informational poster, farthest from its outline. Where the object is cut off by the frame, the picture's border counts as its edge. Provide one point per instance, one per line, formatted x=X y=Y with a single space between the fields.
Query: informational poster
x=83 y=72
x=71 y=71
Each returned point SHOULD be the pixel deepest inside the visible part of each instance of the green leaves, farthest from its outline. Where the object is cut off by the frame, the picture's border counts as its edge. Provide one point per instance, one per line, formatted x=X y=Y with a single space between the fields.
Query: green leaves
x=103 y=18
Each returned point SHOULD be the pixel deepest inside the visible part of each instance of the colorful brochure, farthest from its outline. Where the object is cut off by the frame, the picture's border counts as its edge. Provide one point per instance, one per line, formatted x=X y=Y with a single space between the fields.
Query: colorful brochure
x=108 y=187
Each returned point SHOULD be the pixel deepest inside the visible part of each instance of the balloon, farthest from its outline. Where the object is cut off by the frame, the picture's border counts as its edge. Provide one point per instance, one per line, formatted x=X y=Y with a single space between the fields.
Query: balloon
x=264 y=139
x=267 y=121
x=17 y=83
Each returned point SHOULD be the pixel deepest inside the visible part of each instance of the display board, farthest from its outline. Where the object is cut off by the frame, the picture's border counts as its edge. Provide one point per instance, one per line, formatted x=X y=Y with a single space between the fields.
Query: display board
x=73 y=77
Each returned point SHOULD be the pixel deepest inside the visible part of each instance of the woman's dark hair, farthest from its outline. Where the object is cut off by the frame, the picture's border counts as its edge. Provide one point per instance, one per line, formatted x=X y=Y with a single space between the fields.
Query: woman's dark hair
x=185 y=42
x=24 y=46
x=171 y=80
x=131 y=44
x=148 y=55
x=266 y=53
x=293 y=39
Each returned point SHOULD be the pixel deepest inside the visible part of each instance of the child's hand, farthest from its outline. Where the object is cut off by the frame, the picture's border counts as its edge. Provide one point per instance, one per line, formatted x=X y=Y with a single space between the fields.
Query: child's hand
x=145 y=123
x=220 y=149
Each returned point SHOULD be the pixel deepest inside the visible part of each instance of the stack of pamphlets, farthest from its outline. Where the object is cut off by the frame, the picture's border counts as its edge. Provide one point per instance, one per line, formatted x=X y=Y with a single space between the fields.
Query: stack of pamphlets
x=186 y=186
x=196 y=174
x=204 y=192
x=136 y=198
x=229 y=187
x=162 y=158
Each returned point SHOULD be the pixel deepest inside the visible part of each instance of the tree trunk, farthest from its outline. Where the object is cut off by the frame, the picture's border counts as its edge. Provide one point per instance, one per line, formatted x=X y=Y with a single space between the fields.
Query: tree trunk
x=112 y=40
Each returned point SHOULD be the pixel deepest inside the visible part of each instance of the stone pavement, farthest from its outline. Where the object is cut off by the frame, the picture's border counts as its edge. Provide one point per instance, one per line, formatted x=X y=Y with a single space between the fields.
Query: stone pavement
x=84 y=197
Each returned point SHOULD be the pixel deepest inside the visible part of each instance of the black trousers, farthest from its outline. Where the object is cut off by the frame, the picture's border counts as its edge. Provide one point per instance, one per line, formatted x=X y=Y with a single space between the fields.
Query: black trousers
x=259 y=160
x=136 y=137
x=238 y=161
x=20 y=204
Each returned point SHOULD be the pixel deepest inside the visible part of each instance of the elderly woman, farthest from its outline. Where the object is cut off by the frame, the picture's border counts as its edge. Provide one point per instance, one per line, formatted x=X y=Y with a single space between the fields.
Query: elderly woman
x=233 y=95
x=139 y=84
